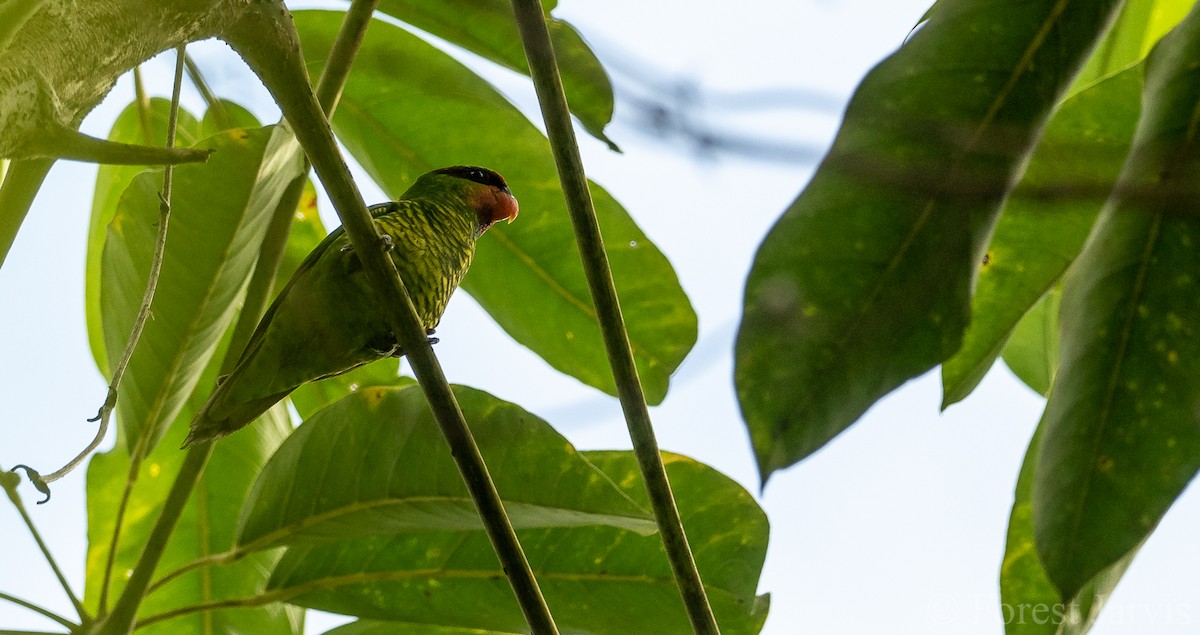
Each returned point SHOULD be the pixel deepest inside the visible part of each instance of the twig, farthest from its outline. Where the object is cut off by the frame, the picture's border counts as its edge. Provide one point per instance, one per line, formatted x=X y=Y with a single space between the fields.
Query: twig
x=531 y=22
x=47 y=613
x=125 y=610
x=143 y=106
x=220 y=115
x=21 y=185
x=342 y=54
x=104 y=415
x=131 y=475
x=10 y=488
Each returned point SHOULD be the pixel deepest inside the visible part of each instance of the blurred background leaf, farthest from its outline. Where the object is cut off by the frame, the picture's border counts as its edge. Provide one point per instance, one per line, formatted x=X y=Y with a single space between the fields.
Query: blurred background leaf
x=865 y=281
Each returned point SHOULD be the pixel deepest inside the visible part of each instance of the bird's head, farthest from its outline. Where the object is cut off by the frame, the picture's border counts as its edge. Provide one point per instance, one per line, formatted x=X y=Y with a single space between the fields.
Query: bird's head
x=484 y=190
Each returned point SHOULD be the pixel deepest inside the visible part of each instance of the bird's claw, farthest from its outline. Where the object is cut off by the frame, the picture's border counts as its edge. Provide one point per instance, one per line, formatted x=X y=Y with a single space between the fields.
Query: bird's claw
x=433 y=340
x=386 y=243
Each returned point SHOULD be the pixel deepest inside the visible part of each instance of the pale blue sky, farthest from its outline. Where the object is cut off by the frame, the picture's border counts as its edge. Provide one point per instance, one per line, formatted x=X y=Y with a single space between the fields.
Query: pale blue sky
x=896 y=527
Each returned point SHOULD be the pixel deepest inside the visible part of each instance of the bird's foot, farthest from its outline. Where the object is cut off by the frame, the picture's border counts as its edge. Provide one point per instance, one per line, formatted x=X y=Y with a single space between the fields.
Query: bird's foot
x=385 y=241
x=433 y=340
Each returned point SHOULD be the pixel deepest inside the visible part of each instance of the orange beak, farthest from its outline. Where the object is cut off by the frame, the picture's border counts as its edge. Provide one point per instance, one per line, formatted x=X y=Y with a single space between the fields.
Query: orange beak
x=504 y=206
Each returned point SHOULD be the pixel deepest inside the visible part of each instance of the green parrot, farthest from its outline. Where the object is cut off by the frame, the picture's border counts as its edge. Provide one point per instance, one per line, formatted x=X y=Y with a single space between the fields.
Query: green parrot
x=326 y=321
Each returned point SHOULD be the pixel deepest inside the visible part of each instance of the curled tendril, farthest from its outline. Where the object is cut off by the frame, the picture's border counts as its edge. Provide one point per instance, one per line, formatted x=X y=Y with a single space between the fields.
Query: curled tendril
x=36 y=478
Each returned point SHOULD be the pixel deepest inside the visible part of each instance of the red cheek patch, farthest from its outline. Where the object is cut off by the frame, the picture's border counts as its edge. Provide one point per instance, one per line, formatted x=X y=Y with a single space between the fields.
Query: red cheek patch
x=495 y=205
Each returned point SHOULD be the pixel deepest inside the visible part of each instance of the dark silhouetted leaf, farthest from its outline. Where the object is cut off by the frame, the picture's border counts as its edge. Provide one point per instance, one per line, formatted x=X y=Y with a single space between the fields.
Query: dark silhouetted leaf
x=1046 y=220
x=865 y=281
x=1030 y=605
x=1121 y=440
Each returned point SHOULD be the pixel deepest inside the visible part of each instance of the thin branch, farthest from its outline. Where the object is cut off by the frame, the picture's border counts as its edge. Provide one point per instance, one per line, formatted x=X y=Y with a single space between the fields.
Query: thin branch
x=11 y=489
x=220 y=115
x=44 y=612
x=531 y=22
x=279 y=65
x=284 y=594
x=131 y=477
x=342 y=54
x=211 y=559
x=125 y=610
x=21 y=184
x=123 y=616
x=143 y=106
x=104 y=416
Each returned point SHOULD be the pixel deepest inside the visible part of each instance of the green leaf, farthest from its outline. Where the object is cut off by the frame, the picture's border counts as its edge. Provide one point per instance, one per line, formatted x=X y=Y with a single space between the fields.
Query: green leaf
x=375 y=463
x=1136 y=30
x=488 y=29
x=597 y=580
x=220 y=211
x=527 y=275
x=132 y=126
x=865 y=281
x=1029 y=603
x=1032 y=351
x=1046 y=220
x=370 y=627
x=1121 y=439
x=313 y=396
x=206 y=527
x=232 y=116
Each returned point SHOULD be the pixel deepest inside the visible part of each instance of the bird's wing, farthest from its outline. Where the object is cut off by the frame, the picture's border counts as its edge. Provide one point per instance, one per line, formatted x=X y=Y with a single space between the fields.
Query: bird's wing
x=309 y=262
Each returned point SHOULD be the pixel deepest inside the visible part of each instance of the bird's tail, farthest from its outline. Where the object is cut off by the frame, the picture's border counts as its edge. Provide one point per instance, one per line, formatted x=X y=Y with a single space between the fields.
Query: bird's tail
x=219 y=418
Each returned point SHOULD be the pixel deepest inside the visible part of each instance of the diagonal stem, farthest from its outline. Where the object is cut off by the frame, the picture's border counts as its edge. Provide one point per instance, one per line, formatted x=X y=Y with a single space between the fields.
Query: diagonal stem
x=11 y=489
x=123 y=616
x=279 y=65
x=22 y=181
x=544 y=70
x=44 y=612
